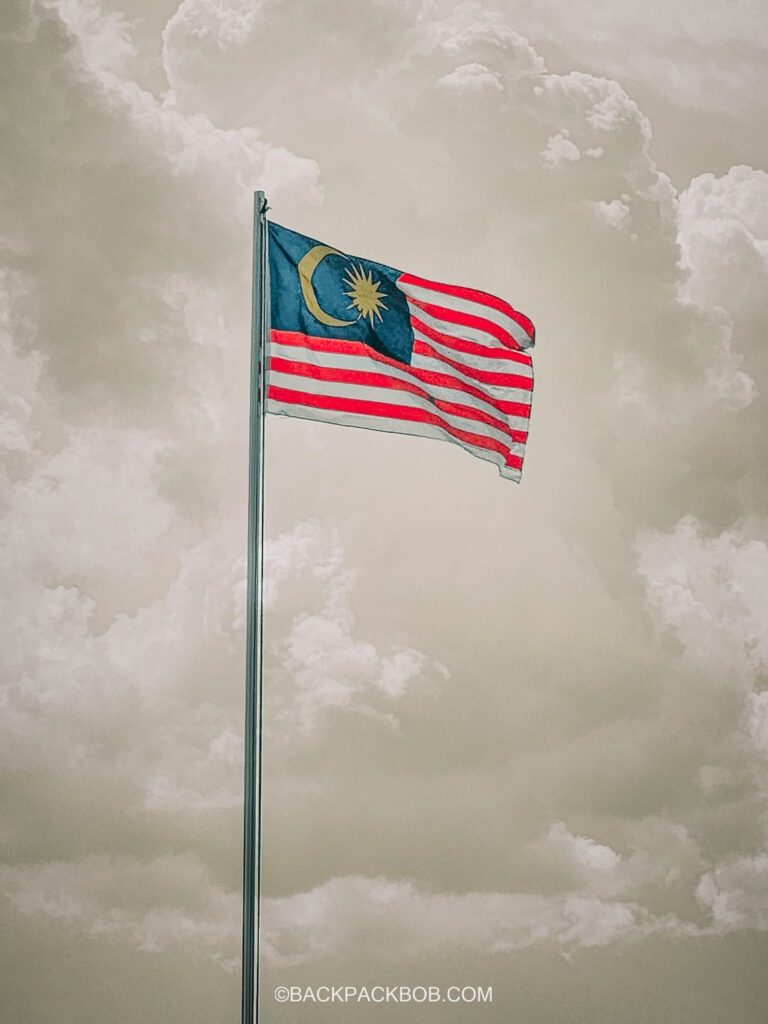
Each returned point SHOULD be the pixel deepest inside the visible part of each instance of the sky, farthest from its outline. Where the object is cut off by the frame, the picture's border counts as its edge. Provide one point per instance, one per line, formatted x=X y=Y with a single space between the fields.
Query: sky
x=515 y=735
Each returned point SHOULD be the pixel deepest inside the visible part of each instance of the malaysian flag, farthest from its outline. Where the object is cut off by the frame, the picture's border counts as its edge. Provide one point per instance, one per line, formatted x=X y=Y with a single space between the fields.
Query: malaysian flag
x=359 y=343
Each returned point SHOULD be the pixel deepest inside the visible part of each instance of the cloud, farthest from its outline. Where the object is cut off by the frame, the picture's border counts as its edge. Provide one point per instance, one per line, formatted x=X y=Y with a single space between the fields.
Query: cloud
x=560 y=150
x=588 y=855
x=723 y=239
x=108 y=470
x=735 y=894
x=692 y=391
x=171 y=902
x=660 y=865
x=472 y=78
x=321 y=666
x=378 y=916
x=712 y=591
x=615 y=214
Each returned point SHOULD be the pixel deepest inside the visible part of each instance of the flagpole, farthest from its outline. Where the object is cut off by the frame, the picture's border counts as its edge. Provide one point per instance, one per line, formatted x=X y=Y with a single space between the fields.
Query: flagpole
x=254 y=628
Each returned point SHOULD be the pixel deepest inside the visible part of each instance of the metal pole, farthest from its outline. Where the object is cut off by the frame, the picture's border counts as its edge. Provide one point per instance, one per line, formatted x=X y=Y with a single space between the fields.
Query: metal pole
x=254 y=634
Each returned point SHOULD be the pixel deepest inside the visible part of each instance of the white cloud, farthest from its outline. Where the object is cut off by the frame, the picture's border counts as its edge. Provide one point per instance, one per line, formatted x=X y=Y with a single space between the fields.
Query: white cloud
x=583 y=851
x=560 y=150
x=169 y=903
x=614 y=214
x=659 y=854
x=713 y=591
x=217 y=25
x=391 y=919
x=105 y=37
x=736 y=894
x=307 y=548
x=472 y=26
x=723 y=266
x=472 y=78
x=98 y=486
x=723 y=237
x=601 y=108
x=321 y=665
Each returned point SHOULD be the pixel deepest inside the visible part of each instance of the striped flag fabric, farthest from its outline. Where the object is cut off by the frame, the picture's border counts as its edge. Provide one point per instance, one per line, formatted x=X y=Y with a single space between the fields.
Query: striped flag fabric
x=360 y=343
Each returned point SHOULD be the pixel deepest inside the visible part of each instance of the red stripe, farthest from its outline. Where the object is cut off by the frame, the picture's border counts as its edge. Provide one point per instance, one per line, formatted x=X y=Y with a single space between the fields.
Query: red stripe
x=453 y=316
x=394 y=412
x=364 y=378
x=361 y=350
x=335 y=345
x=470 y=347
x=474 y=296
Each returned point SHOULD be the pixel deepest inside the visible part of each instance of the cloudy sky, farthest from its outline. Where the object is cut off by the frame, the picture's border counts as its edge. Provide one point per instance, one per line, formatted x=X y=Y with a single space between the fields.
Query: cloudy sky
x=515 y=735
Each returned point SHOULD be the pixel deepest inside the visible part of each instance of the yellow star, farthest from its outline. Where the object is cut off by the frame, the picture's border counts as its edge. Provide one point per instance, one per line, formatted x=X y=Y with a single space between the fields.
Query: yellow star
x=365 y=295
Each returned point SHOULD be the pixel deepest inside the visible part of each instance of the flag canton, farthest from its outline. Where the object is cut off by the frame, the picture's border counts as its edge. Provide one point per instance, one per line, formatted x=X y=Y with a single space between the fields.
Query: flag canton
x=320 y=291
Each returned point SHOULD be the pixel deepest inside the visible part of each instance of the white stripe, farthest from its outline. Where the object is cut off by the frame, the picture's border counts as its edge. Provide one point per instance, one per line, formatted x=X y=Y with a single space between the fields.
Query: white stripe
x=500 y=391
x=390 y=396
x=389 y=426
x=468 y=306
x=362 y=363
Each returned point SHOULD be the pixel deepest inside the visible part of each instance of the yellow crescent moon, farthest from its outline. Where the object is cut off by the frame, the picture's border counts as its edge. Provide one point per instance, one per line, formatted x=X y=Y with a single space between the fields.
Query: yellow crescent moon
x=308 y=264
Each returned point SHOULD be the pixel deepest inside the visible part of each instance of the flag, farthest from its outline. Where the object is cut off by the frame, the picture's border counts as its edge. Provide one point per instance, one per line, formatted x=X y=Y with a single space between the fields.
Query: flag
x=359 y=343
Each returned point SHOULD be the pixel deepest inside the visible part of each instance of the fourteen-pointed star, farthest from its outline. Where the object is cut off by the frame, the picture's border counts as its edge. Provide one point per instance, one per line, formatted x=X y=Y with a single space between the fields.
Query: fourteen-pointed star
x=364 y=292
